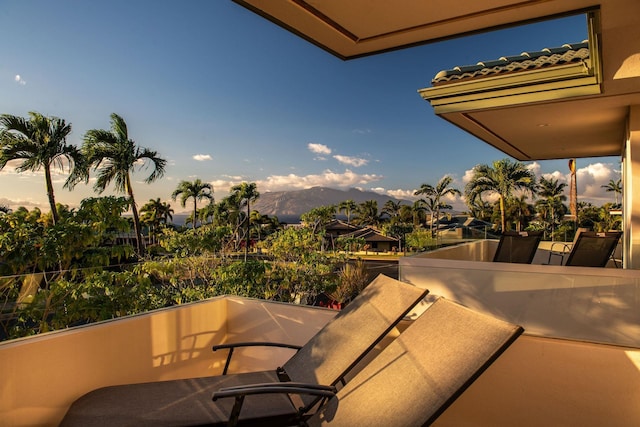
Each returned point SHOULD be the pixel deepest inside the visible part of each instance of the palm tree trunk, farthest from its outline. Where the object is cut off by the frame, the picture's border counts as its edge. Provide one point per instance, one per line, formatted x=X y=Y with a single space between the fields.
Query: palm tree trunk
x=246 y=242
x=136 y=219
x=553 y=222
x=502 y=213
x=195 y=211
x=437 y=219
x=50 y=196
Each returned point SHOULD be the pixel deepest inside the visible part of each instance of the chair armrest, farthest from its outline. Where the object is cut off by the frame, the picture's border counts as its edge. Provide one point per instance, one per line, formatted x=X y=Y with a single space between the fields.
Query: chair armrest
x=270 y=388
x=240 y=392
x=566 y=247
x=232 y=346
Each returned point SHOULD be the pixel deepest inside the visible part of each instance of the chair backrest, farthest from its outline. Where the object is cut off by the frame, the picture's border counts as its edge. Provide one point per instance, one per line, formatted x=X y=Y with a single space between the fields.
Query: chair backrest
x=344 y=341
x=593 y=249
x=517 y=247
x=413 y=380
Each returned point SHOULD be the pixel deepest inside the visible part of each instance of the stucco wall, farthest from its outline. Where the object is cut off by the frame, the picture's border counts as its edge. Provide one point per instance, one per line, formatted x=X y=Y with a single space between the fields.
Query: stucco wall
x=43 y=375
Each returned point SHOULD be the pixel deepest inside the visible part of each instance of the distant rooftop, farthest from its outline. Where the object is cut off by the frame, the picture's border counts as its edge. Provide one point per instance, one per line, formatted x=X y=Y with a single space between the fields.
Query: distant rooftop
x=547 y=57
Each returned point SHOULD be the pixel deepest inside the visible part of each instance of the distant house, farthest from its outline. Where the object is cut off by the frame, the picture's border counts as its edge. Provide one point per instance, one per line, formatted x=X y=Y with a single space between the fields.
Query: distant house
x=375 y=241
x=337 y=228
x=464 y=227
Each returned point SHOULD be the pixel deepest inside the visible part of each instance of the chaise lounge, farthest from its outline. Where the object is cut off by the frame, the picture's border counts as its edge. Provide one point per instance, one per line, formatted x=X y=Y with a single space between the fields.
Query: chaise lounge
x=413 y=380
x=325 y=360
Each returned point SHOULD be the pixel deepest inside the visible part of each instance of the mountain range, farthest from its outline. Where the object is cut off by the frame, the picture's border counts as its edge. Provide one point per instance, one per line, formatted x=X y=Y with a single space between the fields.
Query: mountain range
x=285 y=204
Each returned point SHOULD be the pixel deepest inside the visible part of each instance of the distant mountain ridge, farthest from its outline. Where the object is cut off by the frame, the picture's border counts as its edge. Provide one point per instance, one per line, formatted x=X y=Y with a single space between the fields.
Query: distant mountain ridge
x=295 y=203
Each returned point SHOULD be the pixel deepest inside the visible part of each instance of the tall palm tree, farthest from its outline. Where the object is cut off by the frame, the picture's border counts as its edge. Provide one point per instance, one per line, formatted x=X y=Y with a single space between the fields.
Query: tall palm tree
x=392 y=208
x=433 y=206
x=614 y=187
x=41 y=143
x=154 y=213
x=552 y=198
x=196 y=190
x=207 y=213
x=349 y=207
x=417 y=209
x=246 y=193
x=157 y=211
x=520 y=210
x=437 y=193
x=367 y=213
x=114 y=156
x=503 y=178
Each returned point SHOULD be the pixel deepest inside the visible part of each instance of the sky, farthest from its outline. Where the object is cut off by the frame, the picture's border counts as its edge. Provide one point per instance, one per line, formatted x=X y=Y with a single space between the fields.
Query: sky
x=226 y=96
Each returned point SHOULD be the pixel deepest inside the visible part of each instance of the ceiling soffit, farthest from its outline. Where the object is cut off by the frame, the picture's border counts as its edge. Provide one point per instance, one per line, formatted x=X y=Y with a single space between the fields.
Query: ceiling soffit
x=354 y=28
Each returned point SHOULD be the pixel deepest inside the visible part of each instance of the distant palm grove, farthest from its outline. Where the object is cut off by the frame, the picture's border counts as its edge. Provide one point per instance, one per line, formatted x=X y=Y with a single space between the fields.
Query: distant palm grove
x=107 y=258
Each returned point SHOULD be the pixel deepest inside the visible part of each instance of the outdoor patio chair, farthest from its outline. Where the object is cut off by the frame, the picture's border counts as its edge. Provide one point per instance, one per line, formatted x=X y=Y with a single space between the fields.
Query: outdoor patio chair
x=325 y=359
x=517 y=247
x=593 y=249
x=564 y=247
x=414 y=379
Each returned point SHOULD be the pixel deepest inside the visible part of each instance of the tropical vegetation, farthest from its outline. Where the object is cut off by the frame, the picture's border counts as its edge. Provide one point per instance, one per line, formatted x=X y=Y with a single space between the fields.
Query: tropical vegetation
x=71 y=266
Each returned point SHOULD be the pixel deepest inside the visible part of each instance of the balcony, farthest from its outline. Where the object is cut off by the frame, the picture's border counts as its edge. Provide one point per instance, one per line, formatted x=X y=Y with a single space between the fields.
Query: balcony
x=577 y=364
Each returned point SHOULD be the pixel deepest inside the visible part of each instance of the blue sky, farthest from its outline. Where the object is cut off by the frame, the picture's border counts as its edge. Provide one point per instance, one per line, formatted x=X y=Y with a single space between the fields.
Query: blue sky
x=226 y=96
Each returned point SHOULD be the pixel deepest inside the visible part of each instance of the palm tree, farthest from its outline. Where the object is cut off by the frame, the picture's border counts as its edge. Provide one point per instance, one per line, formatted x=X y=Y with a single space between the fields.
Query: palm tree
x=41 y=143
x=552 y=193
x=367 y=213
x=480 y=209
x=503 y=177
x=392 y=209
x=437 y=193
x=246 y=193
x=114 y=156
x=207 y=213
x=615 y=187
x=156 y=212
x=520 y=210
x=348 y=206
x=432 y=206
x=197 y=190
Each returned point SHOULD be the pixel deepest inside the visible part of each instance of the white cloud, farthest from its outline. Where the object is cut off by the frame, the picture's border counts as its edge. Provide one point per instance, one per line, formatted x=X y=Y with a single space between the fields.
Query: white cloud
x=362 y=131
x=402 y=194
x=327 y=178
x=202 y=157
x=29 y=203
x=590 y=180
x=235 y=177
x=318 y=148
x=534 y=167
x=468 y=174
x=18 y=79
x=558 y=176
x=351 y=161
x=290 y=182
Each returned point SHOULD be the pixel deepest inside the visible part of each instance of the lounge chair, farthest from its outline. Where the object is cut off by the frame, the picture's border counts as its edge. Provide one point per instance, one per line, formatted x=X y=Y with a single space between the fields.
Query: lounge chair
x=517 y=247
x=325 y=359
x=565 y=248
x=593 y=249
x=413 y=380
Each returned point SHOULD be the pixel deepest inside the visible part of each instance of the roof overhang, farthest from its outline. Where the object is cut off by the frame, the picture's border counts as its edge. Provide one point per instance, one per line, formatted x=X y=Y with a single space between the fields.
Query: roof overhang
x=355 y=28
x=569 y=111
